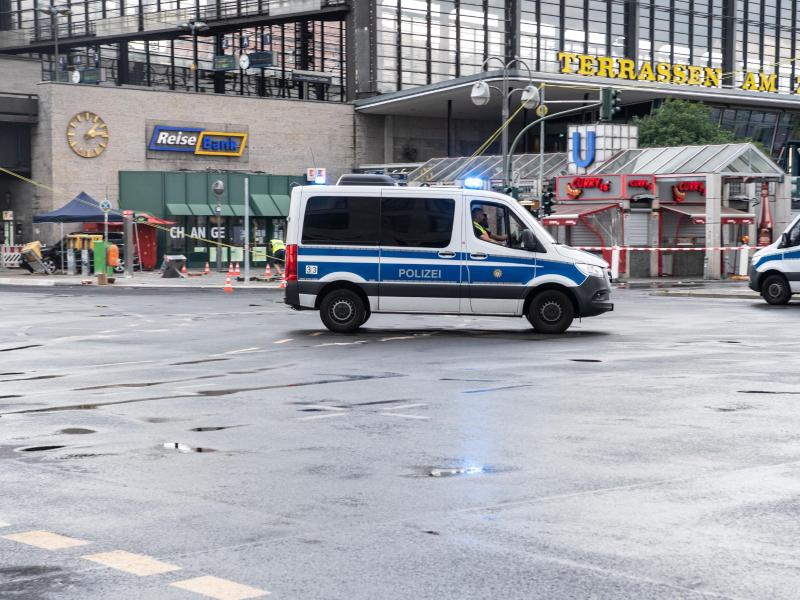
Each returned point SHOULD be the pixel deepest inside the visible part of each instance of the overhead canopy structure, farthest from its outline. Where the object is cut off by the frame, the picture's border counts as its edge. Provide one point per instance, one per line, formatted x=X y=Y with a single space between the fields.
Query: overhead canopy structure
x=728 y=160
x=697 y=214
x=570 y=214
x=444 y=171
x=81 y=209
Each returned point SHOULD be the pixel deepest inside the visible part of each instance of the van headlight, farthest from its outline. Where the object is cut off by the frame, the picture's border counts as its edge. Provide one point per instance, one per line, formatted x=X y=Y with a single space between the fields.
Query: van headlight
x=590 y=270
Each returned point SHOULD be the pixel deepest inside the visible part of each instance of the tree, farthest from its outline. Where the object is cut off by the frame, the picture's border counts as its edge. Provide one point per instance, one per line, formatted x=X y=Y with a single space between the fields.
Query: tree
x=680 y=123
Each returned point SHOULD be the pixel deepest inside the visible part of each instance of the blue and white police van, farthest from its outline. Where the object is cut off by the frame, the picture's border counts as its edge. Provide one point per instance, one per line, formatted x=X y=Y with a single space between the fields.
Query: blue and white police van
x=352 y=250
x=775 y=269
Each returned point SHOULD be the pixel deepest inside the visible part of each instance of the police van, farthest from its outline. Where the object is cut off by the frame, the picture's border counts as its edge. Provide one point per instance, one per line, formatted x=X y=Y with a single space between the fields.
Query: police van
x=775 y=269
x=352 y=250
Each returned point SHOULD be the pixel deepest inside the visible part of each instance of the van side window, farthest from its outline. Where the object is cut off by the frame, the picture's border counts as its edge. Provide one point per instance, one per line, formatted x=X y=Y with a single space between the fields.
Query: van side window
x=794 y=236
x=496 y=224
x=417 y=222
x=338 y=220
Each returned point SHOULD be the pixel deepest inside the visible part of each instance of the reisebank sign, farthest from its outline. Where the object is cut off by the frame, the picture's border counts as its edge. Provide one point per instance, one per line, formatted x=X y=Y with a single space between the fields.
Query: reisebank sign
x=197 y=140
x=624 y=68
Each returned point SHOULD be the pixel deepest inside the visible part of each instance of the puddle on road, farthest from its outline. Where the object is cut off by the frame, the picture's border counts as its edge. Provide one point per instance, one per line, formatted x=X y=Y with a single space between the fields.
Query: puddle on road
x=586 y=360
x=344 y=379
x=731 y=408
x=12 y=373
x=10 y=396
x=34 y=378
x=431 y=532
x=206 y=429
x=197 y=362
x=160 y=420
x=185 y=448
x=40 y=448
x=20 y=348
x=768 y=392
x=77 y=431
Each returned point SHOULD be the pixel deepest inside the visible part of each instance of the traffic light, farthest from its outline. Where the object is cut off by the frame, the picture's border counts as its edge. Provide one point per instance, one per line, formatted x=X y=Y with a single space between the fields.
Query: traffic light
x=609 y=104
x=548 y=201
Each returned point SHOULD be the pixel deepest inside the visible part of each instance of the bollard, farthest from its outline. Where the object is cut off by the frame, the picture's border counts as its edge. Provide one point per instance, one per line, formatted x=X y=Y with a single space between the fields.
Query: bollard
x=744 y=260
x=615 y=263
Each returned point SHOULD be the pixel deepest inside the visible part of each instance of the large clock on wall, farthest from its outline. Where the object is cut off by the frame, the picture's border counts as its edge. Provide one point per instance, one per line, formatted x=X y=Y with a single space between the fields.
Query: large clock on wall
x=87 y=134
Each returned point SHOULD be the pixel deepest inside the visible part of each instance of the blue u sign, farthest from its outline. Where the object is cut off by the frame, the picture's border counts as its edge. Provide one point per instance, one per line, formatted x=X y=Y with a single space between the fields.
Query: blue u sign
x=590 y=149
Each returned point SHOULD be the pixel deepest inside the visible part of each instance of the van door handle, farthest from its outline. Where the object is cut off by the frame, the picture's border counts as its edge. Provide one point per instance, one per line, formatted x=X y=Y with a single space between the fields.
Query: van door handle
x=479 y=256
x=447 y=254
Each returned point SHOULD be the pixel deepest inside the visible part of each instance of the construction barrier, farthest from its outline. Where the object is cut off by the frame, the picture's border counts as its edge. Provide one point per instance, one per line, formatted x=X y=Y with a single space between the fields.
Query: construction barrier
x=11 y=257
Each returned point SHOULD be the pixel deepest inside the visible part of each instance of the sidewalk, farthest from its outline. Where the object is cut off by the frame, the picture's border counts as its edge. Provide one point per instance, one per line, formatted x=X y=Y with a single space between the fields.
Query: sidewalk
x=728 y=288
x=146 y=279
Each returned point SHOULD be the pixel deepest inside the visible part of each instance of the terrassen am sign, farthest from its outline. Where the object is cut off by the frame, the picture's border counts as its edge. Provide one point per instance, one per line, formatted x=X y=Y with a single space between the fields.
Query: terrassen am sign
x=591 y=65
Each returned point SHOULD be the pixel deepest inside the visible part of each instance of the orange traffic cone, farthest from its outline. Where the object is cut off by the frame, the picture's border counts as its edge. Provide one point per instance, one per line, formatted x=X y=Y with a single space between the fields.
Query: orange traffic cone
x=207 y=270
x=282 y=286
x=230 y=269
x=228 y=289
x=236 y=271
x=184 y=272
x=267 y=272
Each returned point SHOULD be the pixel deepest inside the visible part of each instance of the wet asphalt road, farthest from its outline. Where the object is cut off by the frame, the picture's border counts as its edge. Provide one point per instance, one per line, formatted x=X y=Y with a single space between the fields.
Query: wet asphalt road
x=649 y=453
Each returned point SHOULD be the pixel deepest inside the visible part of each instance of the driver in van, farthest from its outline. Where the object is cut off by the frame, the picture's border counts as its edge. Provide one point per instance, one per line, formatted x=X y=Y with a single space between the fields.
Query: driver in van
x=480 y=224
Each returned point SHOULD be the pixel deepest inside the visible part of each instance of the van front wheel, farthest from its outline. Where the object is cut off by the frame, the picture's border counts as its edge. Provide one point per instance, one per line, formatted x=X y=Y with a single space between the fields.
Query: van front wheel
x=776 y=290
x=551 y=311
x=342 y=311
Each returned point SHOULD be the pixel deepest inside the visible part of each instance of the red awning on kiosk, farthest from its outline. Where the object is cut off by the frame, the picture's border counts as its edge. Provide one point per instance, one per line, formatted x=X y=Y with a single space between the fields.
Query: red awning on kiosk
x=569 y=214
x=697 y=214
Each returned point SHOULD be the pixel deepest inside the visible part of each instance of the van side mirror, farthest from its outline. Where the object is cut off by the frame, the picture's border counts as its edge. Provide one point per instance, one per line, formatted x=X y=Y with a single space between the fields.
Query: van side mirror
x=530 y=243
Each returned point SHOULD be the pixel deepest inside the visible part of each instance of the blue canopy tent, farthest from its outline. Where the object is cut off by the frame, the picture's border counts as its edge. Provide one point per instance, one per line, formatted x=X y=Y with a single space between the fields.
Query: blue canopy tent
x=81 y=209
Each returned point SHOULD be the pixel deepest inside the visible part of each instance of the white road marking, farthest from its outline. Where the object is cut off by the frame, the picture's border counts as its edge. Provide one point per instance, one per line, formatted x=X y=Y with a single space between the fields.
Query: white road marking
x=117 y=364
x=218 y=588
x=241 y=351
x=399 y=337
x=283 y=341
x=315 y=333
x=404 y=406
x=154 y=331
x=325 y=416
x=323 y=407
x=341 y=343
x=137 y=564
x=421 y=418
x=45 y=540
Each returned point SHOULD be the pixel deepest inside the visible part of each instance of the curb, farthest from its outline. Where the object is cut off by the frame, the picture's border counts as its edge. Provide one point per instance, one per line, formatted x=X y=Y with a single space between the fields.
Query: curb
x=717 y=295
x=122 y=285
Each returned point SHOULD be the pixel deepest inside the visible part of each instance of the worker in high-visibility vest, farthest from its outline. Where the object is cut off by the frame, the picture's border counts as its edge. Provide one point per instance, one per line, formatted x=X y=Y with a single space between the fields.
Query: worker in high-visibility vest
x=277 y=255
x=480 y=225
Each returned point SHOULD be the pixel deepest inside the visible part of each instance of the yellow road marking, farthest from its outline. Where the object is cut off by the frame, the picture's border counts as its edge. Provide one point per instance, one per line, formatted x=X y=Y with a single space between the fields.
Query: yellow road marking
x=220 y=589
x=45 y=540
x=137 y=564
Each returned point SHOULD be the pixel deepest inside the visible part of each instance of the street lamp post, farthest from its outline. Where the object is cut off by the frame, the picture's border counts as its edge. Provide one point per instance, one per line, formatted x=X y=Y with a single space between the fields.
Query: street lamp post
x=481 y=94
x=218 y=187
x=194 y=26
x=54 y=12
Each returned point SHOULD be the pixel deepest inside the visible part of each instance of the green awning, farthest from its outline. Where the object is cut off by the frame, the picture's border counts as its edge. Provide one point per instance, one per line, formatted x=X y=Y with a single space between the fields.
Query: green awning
x=282 y=202
x=263 y=206
x=238 y=209
x=178 y=209
x=201 y=209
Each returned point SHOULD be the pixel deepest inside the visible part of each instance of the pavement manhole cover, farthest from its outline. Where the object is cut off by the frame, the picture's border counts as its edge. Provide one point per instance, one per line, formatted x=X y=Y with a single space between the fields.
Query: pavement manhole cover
x=185 y=448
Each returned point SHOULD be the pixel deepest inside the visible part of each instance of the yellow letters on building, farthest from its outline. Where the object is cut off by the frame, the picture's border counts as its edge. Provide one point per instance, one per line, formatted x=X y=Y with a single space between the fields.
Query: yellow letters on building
x=768 y=83
x=664 y=71
x=586 y=64
x=713 y=77
x=626 y=68
x=566 y=58
x=694 y=75
x=680 y=73
x=646 y=72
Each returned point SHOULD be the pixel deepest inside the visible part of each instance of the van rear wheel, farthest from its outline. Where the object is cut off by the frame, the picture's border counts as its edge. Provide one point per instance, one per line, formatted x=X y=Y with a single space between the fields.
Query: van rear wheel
x=551 y=311
x=776 y=290
x=342 y=311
